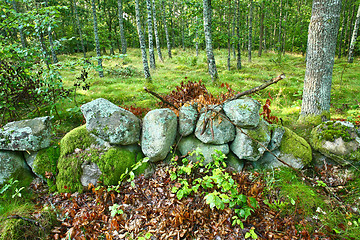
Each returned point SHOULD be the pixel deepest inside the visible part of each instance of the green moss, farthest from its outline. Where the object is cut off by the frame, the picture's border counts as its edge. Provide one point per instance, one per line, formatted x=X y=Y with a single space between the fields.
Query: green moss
x=68 y=179
x=19 y=229
x=330 y=131
x=76 y=138
x=295 y=145
x=312 y=119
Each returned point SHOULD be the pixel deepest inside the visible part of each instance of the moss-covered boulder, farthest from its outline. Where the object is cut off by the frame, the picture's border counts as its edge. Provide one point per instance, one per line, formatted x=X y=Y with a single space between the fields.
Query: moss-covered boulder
x=44 y=164
x=339 y=141
x=293 y=150
x=79 y=149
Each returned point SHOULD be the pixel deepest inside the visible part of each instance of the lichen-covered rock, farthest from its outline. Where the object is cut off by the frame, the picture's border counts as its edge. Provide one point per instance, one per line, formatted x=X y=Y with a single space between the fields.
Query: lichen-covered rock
x=246 y=148
x=78 y=149
x=218 y=129
x=26 y=135
x=12 y=165
x=158 y=133
x=111 y=123
x=339 y=141
x=190 y=143
x=277 y=133
x=243 y=112
x=293 y=150
x=90 y=173
x=187 y=120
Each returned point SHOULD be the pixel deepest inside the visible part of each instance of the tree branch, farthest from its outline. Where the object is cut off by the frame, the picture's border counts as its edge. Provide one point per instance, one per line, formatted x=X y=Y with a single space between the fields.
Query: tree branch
x=159 y=97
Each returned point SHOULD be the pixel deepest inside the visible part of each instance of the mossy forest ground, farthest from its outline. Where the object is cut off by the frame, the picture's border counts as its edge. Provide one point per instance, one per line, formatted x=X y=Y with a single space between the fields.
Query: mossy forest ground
x=317 y=203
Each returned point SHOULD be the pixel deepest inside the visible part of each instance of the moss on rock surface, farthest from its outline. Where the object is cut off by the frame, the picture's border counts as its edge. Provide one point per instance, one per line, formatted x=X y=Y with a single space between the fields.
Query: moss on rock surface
x=338 y=141
x=295 y=145
x=112 y=161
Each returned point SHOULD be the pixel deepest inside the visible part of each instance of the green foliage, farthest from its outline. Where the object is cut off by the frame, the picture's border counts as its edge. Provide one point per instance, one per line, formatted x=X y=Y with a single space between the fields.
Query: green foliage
x=115 y=209
x=221 y=190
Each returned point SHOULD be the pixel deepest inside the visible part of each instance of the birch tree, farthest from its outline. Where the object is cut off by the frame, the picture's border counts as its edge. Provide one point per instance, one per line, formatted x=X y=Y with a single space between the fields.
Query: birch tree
x=79 y=28
x=150 y=34
x=97 y=42
x=52 y=49
x=250 y=29
x=354 y=36
x=323 y=30
x=238 y=46
x=142 y=42
x=168 y=43
x=121 y=26
x=157 y=40
x=208 y=40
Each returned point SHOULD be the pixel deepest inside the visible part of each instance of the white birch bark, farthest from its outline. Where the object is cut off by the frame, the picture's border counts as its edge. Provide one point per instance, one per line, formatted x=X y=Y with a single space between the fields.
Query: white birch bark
x=208 y=40
x=157 y=40
x=121 y=25
x=150 y=34
x=97 y=42
x=354 y=37
x=323 y=30
x=79 y=28
x=168 y=43
x=142 y=42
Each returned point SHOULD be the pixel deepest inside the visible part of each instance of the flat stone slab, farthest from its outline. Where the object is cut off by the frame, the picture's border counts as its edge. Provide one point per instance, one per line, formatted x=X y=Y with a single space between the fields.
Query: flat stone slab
x=26 y=135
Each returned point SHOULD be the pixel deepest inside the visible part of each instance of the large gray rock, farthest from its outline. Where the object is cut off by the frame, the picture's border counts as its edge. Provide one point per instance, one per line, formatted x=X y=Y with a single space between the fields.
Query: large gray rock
x=187 y=120
x=339 y=141
x=191 y=143
x=293 y=150
x=246 y=148
x=243 y=112
x=158 y=133
x=26 y=135
x=111 y=123
x=218 y=130
x=234 y=163
x=277 y=133
x=12 y=164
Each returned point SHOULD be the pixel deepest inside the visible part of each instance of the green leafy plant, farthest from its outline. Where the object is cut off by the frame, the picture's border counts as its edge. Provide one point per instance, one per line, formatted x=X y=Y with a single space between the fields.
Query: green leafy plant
x=221 y=190
x=115 y=209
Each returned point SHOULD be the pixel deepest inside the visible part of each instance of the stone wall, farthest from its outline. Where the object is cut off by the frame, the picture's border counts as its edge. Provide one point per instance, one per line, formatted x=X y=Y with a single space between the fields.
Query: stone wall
x=114 y=136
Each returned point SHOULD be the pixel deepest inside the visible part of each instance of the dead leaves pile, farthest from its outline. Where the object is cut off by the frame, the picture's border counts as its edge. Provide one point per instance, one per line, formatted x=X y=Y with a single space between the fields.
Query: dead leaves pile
x=151 y=207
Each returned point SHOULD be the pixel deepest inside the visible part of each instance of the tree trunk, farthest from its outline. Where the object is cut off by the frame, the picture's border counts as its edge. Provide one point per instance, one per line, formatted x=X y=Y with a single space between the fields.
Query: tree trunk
x=157 y=40
x=250 y=30
x=142 y=42
x=238 y=64
x=341 y=36
x=261 y=35
x=346 y=34
x=22 y=36
x=121 y=25
x=354 y=36
x=208 y=40
x=52 y=49
x=168 y=43
x=323 y=30
x=79 y=28
x=280 y=30
x=197 y=36
x=150 y=34
x=97 y=42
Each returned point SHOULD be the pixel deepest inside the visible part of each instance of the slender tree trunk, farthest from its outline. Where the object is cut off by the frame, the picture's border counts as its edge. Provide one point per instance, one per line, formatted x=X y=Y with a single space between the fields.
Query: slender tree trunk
x=52 y=49
x=229 y=38
x=121 y=25
x=261 y=35
x=197 y=36
x=280 y=29
x=97 y=42
x=354 y=37
x=142 y=42
x=346 y=34
x=21 y=32
x=323 y=30
x=150 y=34
x=250 y=30
x=79 y=28
x=208 y=40
x=238 y=64
x=157 y=40
x=168 y=43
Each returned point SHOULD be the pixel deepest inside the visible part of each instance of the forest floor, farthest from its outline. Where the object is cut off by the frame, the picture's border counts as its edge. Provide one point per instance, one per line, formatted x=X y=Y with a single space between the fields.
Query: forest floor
x=316 y=203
